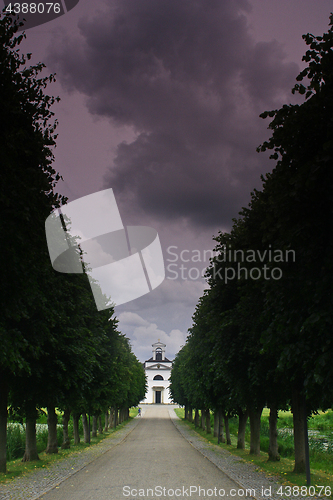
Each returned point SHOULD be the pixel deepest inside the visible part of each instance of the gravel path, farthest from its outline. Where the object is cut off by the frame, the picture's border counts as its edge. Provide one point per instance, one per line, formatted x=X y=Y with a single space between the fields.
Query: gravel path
x=154 y=461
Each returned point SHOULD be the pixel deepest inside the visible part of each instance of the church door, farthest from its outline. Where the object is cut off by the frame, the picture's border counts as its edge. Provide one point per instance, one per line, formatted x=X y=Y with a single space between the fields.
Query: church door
x=158 y=396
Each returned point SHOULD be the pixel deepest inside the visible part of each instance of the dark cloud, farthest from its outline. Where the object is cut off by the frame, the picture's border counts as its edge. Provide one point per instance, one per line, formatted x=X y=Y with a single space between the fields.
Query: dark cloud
x=191 y=81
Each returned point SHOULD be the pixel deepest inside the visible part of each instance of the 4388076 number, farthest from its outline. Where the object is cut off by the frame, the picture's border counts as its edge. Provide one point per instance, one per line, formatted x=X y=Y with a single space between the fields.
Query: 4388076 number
x=304 y=491
x=33 y=8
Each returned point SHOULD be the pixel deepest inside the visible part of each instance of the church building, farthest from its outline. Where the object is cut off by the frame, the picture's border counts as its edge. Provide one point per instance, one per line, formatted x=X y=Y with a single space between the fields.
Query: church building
x=158 y=370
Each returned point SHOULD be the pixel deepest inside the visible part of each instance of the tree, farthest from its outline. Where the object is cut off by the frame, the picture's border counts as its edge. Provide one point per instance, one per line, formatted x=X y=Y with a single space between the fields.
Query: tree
x=26 y=199
x=297 y=197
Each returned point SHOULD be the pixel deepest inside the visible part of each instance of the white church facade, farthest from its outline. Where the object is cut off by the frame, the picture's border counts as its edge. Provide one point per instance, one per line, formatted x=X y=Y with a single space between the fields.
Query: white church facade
x=158 y=370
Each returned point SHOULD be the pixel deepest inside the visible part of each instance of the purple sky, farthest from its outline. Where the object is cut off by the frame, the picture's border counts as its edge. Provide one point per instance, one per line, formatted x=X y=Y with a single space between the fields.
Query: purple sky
x=161 y=101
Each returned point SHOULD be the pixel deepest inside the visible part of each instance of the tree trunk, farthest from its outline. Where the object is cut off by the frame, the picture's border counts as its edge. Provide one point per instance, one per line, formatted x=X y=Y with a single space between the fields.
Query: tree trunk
x=94 y=426
x=196 y=418
x=255 y=417
x=190 y=414
x=30 y=440
x=106 y=426
x=52 y=441
x=220 y=435
x=66 y=444
x=242 y=419
x=76 y=418
x=298 y=419
x=186 y=412
x=115 y=418
x=227 y=430
x=273 y=450
x=203 y=417
x=3 y=422
x=208 y=426
x=216 y=423
x=86 y=433
x=100 y=426
x=111 y=417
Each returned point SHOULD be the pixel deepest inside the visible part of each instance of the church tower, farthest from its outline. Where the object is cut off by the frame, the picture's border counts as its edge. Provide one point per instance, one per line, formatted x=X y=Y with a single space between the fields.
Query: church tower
x=158 y=370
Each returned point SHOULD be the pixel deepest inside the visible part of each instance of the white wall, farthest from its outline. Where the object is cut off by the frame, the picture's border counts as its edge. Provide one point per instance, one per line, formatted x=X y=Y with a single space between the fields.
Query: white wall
x=163 y=384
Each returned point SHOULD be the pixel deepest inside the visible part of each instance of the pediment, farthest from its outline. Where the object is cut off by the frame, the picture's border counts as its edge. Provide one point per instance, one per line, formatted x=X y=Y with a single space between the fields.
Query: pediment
x=158 y=366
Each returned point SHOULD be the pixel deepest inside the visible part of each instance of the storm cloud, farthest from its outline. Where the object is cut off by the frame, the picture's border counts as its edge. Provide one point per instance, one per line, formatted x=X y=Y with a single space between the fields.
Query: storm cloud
x=190 y=80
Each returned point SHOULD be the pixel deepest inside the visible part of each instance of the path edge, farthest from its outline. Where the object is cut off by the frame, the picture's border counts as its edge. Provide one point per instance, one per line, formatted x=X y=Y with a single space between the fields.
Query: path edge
x=135 y=422
x=174 y=417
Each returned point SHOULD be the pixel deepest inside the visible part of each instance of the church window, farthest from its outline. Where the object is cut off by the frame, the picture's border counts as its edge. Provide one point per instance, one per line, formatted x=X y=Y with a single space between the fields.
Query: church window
x=158 y=377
